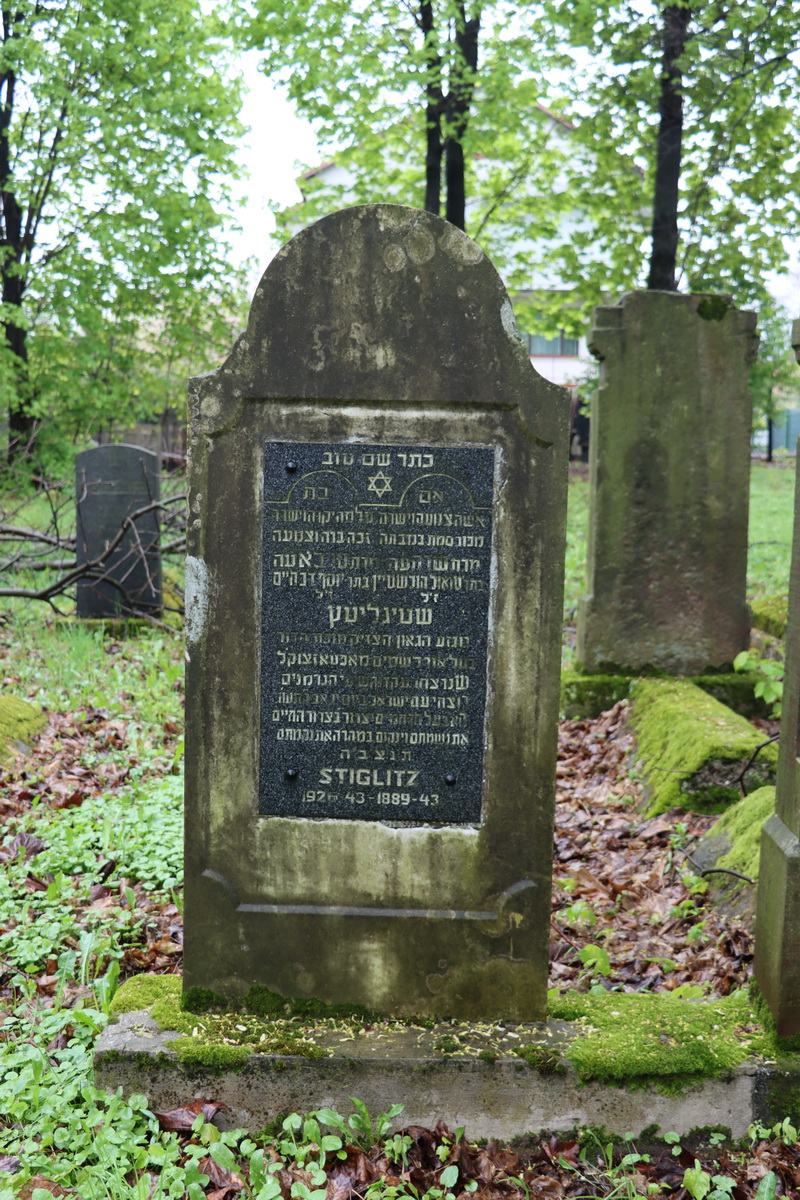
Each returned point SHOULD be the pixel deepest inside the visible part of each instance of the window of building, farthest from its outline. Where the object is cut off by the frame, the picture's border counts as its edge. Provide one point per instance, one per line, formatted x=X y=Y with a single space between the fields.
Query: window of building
x=560 y=346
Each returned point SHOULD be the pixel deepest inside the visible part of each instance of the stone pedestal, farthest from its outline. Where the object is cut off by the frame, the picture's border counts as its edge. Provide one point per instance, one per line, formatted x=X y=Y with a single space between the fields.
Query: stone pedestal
x=777 y=956
x=373 y=610
x=669 y=479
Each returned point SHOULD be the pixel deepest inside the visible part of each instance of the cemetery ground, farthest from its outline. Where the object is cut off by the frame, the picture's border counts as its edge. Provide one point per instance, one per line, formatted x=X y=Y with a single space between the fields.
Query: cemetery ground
x=90 y=894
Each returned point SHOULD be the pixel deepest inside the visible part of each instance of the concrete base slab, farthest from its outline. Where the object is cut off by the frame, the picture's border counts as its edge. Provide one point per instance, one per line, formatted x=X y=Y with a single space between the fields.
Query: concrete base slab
x=502 y=1099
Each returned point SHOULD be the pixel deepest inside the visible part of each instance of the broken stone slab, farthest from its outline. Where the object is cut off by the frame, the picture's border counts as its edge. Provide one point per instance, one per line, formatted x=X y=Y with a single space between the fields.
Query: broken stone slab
x=499 y=1099
x=588 y=695
x=692 y=749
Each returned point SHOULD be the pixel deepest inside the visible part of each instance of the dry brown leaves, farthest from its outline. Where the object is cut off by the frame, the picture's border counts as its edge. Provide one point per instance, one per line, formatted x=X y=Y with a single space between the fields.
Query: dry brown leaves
x=631 y=875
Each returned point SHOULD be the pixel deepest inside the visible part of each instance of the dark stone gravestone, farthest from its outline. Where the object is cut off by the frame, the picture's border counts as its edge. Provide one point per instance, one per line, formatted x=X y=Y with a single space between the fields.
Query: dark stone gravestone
x=112 y=483
x=777 y=951
x=669 y=469
x=374 y=591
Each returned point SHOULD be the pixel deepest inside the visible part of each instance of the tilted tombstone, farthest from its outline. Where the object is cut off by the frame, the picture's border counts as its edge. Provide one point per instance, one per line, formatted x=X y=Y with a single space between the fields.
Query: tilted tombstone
x=777 y=949
x=669 y=469
x=111 y=484
x=374 y=590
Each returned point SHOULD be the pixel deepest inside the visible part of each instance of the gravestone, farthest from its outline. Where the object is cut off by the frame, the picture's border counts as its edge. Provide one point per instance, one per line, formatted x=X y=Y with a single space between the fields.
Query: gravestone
x=374 y=589
x=669 y=468
x=777 y=949
x=113 y=483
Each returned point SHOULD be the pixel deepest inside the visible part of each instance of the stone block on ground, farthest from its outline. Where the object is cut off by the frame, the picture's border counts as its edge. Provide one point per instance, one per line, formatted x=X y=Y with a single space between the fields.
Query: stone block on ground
x=770 y=614
x=692 y=749
x=587 y=695
x=624 y=1062
x=20 y=721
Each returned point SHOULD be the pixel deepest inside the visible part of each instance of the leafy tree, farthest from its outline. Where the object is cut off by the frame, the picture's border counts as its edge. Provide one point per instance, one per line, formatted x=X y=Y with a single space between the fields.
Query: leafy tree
x=395 y=83
x=703 y=97
x=774 y=377
x=118 y=122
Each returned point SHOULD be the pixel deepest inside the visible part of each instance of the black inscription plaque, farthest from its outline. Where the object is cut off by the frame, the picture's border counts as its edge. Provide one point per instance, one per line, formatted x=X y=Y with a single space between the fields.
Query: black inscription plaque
x=377 y=564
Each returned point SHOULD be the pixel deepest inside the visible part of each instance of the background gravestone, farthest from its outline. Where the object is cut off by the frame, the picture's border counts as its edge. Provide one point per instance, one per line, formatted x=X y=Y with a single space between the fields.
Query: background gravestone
x=669 y=467
x=374 y=590
x=777 y=942
x=113 y=482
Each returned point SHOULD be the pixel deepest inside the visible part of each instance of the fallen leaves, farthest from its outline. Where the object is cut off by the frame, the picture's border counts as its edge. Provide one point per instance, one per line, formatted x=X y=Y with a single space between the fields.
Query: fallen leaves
x=622 y=880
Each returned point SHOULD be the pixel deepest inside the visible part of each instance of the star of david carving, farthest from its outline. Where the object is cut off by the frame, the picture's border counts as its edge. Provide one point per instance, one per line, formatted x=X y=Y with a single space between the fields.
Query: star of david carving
x=380 y=484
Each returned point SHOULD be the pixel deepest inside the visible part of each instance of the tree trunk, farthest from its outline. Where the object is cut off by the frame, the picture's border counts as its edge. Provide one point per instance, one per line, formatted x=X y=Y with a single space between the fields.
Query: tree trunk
x=770 y=445
x=20 y=421
x=433 y=113
x=668 y=152
x=457 y=114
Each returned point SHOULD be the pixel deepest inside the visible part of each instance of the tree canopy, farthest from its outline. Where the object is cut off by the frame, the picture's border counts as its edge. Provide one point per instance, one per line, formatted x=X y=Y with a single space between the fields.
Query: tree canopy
x=567 y=201
x=118 y=123
x=733 y=71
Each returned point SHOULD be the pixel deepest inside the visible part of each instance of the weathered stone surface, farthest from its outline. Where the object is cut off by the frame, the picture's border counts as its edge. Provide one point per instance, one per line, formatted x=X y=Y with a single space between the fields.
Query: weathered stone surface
x=504 y=1099
x=777 y=950
x=669 y=472
x=114 y=482
x=376 y=329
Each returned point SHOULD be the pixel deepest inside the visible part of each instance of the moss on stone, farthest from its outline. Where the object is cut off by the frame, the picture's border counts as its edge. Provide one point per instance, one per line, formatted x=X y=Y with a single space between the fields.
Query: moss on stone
x=142 y=991
x=586 y=696
x=770 y=614
x=691 y=747
x=736 y=690
x=20 y=721
x=548 y=1060
x=633 y=1039
x=741 y=826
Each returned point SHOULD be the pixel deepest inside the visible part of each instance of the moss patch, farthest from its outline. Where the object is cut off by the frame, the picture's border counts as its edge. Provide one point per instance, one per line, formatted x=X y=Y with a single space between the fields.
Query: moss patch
x=586 y=696
x=634 y=1039
x=741 y=825
x=20 y=721
x=770 y=614
x=691 y=747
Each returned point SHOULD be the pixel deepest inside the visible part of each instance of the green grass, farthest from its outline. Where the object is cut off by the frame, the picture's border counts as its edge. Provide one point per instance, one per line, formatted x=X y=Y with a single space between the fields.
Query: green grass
x=769 y=540
x=771 y=523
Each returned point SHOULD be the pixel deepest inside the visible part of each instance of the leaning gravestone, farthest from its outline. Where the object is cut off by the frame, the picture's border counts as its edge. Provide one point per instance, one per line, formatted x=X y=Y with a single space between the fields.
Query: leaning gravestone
x=114 y=482
x=374 y=590
x=669 y=471
x=777 y=952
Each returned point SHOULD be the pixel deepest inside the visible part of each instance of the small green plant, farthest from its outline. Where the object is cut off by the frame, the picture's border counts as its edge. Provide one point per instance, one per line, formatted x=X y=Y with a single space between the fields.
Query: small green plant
x=579 y=913
x=769 y=685
x=360 y=1124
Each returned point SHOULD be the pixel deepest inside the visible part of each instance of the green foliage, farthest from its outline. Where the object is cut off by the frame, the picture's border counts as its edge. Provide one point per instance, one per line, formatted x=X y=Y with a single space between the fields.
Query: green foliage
x=774 y=377
x=120 y=126
x=769 y=671
x=740 y=176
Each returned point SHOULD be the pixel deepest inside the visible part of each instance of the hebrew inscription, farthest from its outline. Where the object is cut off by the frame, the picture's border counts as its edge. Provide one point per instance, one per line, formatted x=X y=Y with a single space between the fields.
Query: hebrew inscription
x=376 y=591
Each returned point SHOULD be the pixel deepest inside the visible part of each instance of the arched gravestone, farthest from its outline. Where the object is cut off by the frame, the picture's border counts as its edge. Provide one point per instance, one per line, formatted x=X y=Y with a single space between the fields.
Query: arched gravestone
x=374 y=594
x=113 y=482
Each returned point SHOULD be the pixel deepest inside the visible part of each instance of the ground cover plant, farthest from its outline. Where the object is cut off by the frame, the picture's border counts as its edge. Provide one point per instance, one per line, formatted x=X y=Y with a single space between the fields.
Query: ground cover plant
x=90 y=894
